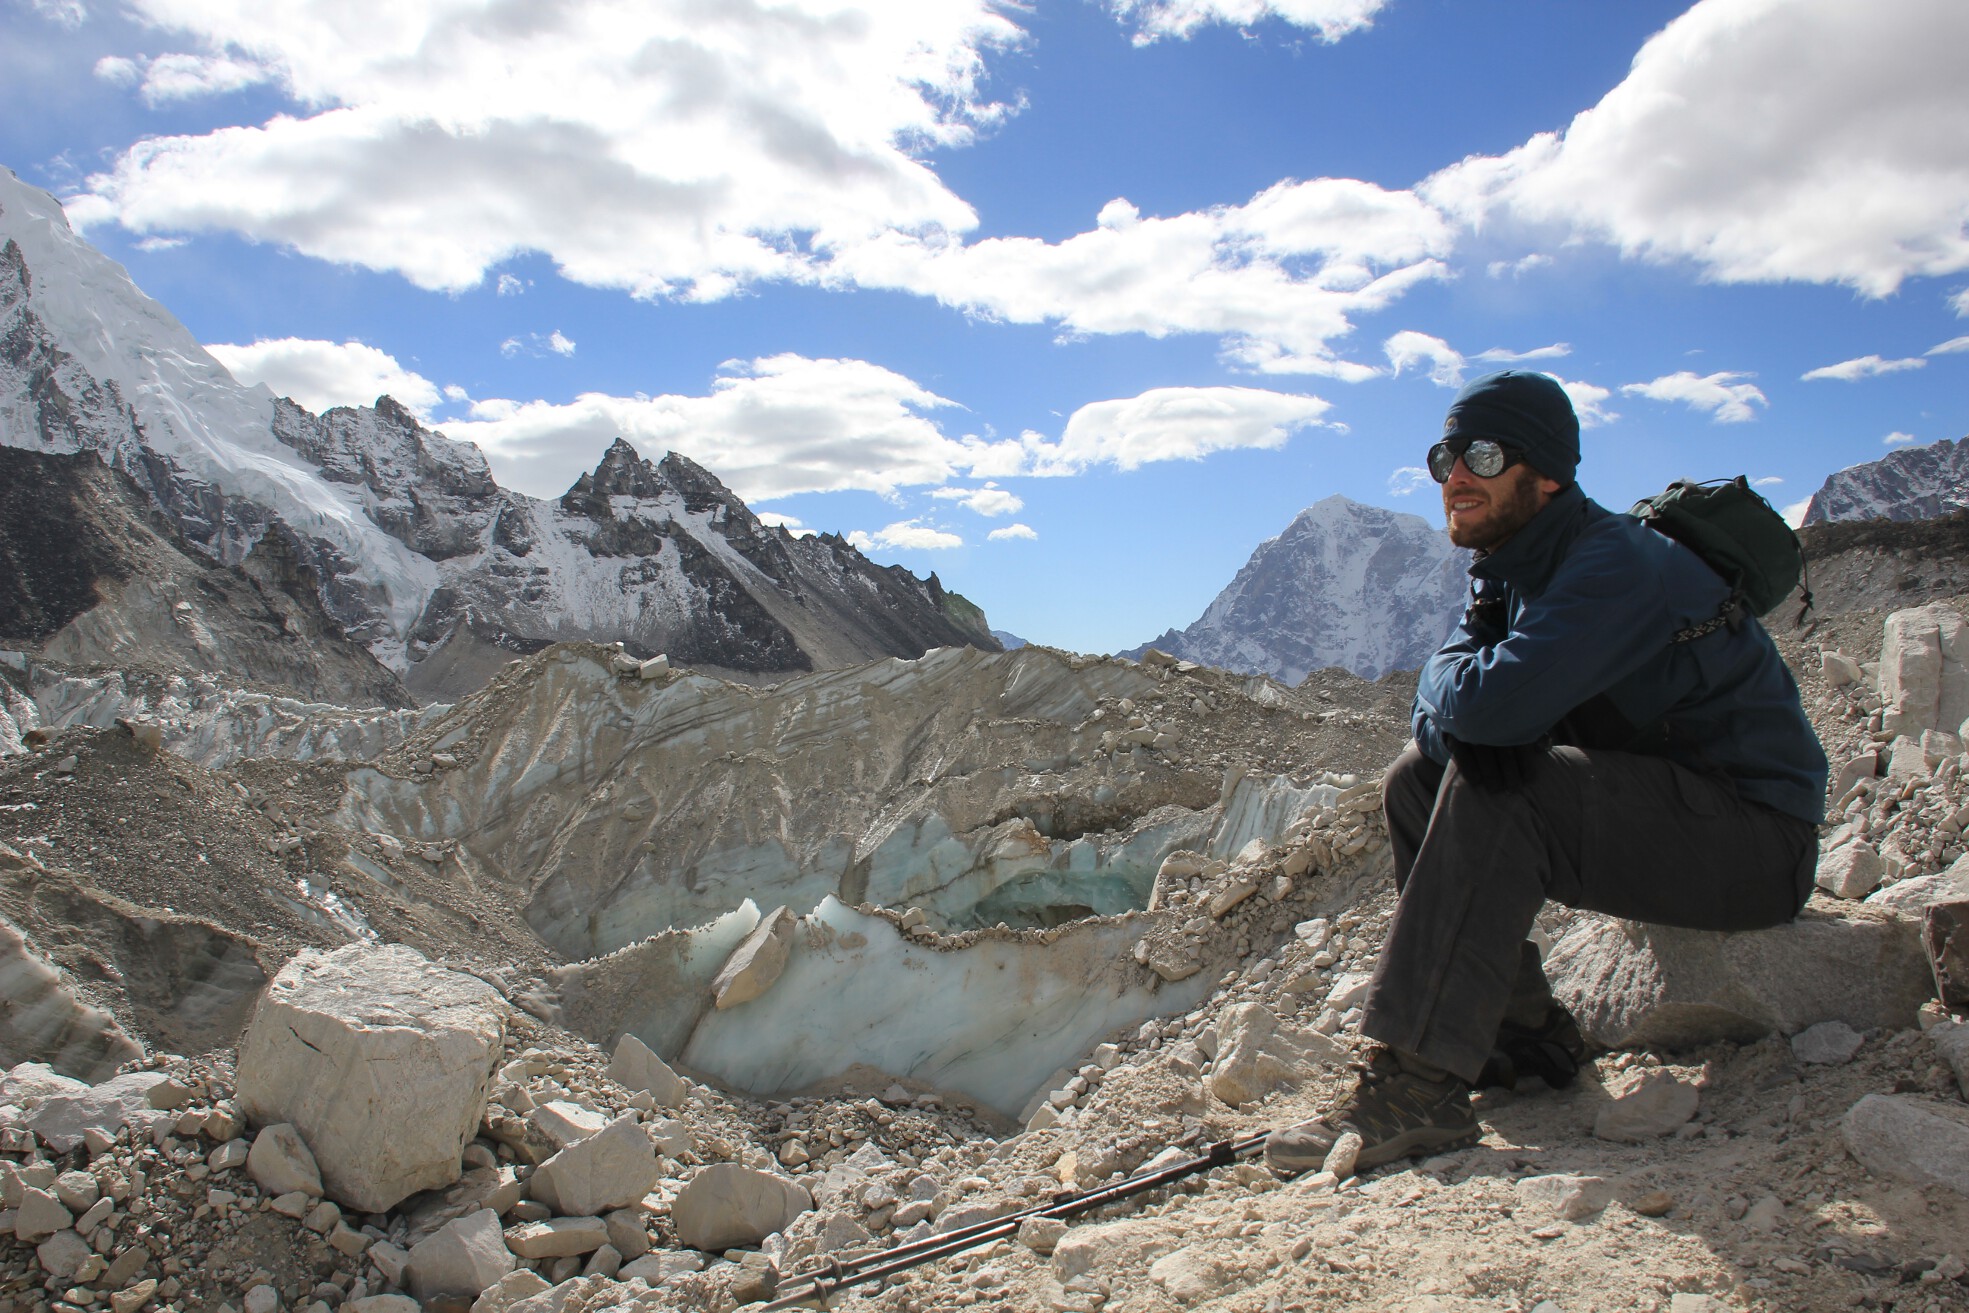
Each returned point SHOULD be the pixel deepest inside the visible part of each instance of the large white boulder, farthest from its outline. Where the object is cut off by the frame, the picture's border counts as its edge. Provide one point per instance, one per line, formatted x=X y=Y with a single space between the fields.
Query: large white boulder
x=462 y=1257
x=613 y=1168
x=381 y=1061
x=635 y=1066
x=757 y=962
x=725 y=1206
x=1924 y=681
x=1925 y=1141
x=1634 y=985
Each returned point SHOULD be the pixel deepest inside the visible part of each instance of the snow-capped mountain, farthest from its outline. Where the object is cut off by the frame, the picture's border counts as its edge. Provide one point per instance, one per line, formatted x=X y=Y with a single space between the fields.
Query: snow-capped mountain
x=419 y=554
x=1348 y=585
x=1914 y=483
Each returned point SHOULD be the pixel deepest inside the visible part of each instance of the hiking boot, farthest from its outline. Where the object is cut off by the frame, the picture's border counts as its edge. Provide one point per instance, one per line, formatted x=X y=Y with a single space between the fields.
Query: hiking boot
x=1396 y=1111
x=1553 y=1051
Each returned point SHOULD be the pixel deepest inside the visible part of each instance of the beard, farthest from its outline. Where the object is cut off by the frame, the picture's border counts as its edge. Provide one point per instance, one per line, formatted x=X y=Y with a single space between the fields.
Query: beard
x=1514 y=500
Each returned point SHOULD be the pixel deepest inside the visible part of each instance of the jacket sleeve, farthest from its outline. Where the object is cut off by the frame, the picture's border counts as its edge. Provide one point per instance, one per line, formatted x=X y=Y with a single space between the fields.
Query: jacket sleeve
x=1603 y=616
x=1484 y=625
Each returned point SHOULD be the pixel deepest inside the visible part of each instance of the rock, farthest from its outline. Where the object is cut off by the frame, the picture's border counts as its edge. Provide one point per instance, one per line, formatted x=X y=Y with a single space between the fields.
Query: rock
x=1923 y=681
x=1827 y=1044
x=1633 y=985
x=1255 y=1053
x=1925 y=1141
x=366 y=1037
x=280 y=1162
x=40 y=1215
x=1865 y=766
x=1945 y=939
x=613 y=1168
x=656 y=667
x=1651 y=1104
x=628 y=1231
x=262 y=1299
x=501 y=1295
x=1230 y=896
x=1951 y=1041
x=659 y=1267
x=62 y=1254
x=1912 y=898
x=63 y=1121
x=1122 y=1246
x=1839 y=669
x=77 y=1191
x=557 y=1237
x=1341 y=1158
x=757 y=961
x=1851 y=870
x=1570 y=1197
x=1766 y=1215
x=725 y=1206
x=1042 y=1235
x=462 y=1258
x=564 y=1123
x=1349 y=990
x=381 y=1304
x=635 y=1066
x=27 y=1083
x=1189 y=1274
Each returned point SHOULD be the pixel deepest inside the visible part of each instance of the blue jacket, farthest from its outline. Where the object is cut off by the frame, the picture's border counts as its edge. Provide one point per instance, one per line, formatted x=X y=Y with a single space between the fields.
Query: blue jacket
x=1590 y=603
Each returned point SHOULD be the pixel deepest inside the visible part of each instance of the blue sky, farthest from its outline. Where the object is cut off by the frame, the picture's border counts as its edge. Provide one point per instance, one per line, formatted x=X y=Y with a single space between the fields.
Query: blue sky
x=1074 y=302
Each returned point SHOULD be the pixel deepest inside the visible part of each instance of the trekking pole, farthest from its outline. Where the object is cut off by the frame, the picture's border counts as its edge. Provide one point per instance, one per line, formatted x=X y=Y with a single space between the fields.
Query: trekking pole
x=839 y=1276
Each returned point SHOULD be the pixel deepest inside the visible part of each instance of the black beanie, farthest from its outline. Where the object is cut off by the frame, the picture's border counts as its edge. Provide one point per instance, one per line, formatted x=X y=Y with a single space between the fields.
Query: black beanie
x=1524 y=410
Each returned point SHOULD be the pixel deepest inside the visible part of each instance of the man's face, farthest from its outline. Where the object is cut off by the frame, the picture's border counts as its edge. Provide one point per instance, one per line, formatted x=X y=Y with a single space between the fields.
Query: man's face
x=1484 y=513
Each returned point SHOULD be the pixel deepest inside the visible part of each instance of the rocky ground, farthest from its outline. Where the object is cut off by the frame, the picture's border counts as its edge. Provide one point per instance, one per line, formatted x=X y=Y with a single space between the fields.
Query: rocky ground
x=1683 y=1178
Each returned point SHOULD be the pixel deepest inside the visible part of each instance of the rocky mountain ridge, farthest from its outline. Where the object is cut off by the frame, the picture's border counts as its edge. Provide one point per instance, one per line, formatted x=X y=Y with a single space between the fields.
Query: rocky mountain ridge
x=1913 y=483
x=418 y=554
x=1360 y=587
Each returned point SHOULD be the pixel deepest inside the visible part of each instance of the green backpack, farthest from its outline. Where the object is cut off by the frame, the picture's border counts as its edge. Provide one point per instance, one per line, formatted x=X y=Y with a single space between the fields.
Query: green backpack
x=1738 y=535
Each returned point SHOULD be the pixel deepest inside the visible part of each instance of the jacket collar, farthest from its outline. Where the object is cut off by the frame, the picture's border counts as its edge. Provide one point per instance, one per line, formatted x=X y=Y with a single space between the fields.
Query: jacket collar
x=1528 y=561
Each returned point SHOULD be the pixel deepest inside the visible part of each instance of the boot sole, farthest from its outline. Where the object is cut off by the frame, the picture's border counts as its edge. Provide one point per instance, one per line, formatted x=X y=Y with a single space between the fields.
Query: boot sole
x=1418 y=1143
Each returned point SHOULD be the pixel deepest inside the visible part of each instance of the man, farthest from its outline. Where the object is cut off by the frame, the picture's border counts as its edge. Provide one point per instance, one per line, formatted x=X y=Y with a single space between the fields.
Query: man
x=1583 y=736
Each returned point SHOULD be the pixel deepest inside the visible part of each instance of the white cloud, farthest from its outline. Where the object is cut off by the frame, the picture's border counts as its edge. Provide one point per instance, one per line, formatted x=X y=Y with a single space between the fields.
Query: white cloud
x=769 y=427
x=1171 y=424
x=1860 y=367
x=1331 y=19
x=1277 y=278
x=70 y=14
x=1817 y=140
x=1012 y=531
x=1959 y=302
x=1898 y=439
x=1949 y=347
x=1726 y=401
x=1409 y=349
x=1446 y=365
x=510 y=285
x=1588 y=402
x=666 y=148
x=987 y=501
x=792 y=524
x=906 y=535
x=1768 y=481
x=1517 y=268
x=1408 y=479
x=1794 y=514
x=321 y=375
x=533 y=344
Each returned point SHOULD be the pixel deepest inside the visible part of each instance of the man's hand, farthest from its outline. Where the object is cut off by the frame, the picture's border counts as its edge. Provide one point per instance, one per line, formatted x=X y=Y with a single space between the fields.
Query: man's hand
x=1494 y=768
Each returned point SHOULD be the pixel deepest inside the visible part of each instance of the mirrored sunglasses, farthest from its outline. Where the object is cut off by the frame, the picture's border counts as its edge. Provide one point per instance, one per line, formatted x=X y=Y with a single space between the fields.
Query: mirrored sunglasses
x=1481 y=456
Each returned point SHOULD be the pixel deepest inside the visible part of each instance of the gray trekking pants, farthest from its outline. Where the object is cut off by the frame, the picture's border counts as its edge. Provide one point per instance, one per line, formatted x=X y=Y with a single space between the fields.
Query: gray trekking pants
x=1633 y=836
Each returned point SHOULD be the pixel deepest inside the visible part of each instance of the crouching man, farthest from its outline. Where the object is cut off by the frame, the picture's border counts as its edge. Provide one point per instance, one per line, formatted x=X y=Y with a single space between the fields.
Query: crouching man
x=1588 y=734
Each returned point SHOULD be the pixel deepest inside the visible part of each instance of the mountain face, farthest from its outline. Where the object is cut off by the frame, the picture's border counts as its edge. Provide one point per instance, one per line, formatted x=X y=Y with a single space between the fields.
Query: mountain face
x=1914 y=483
x=91 y=574
x=417 y=553
x=1348 y=585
